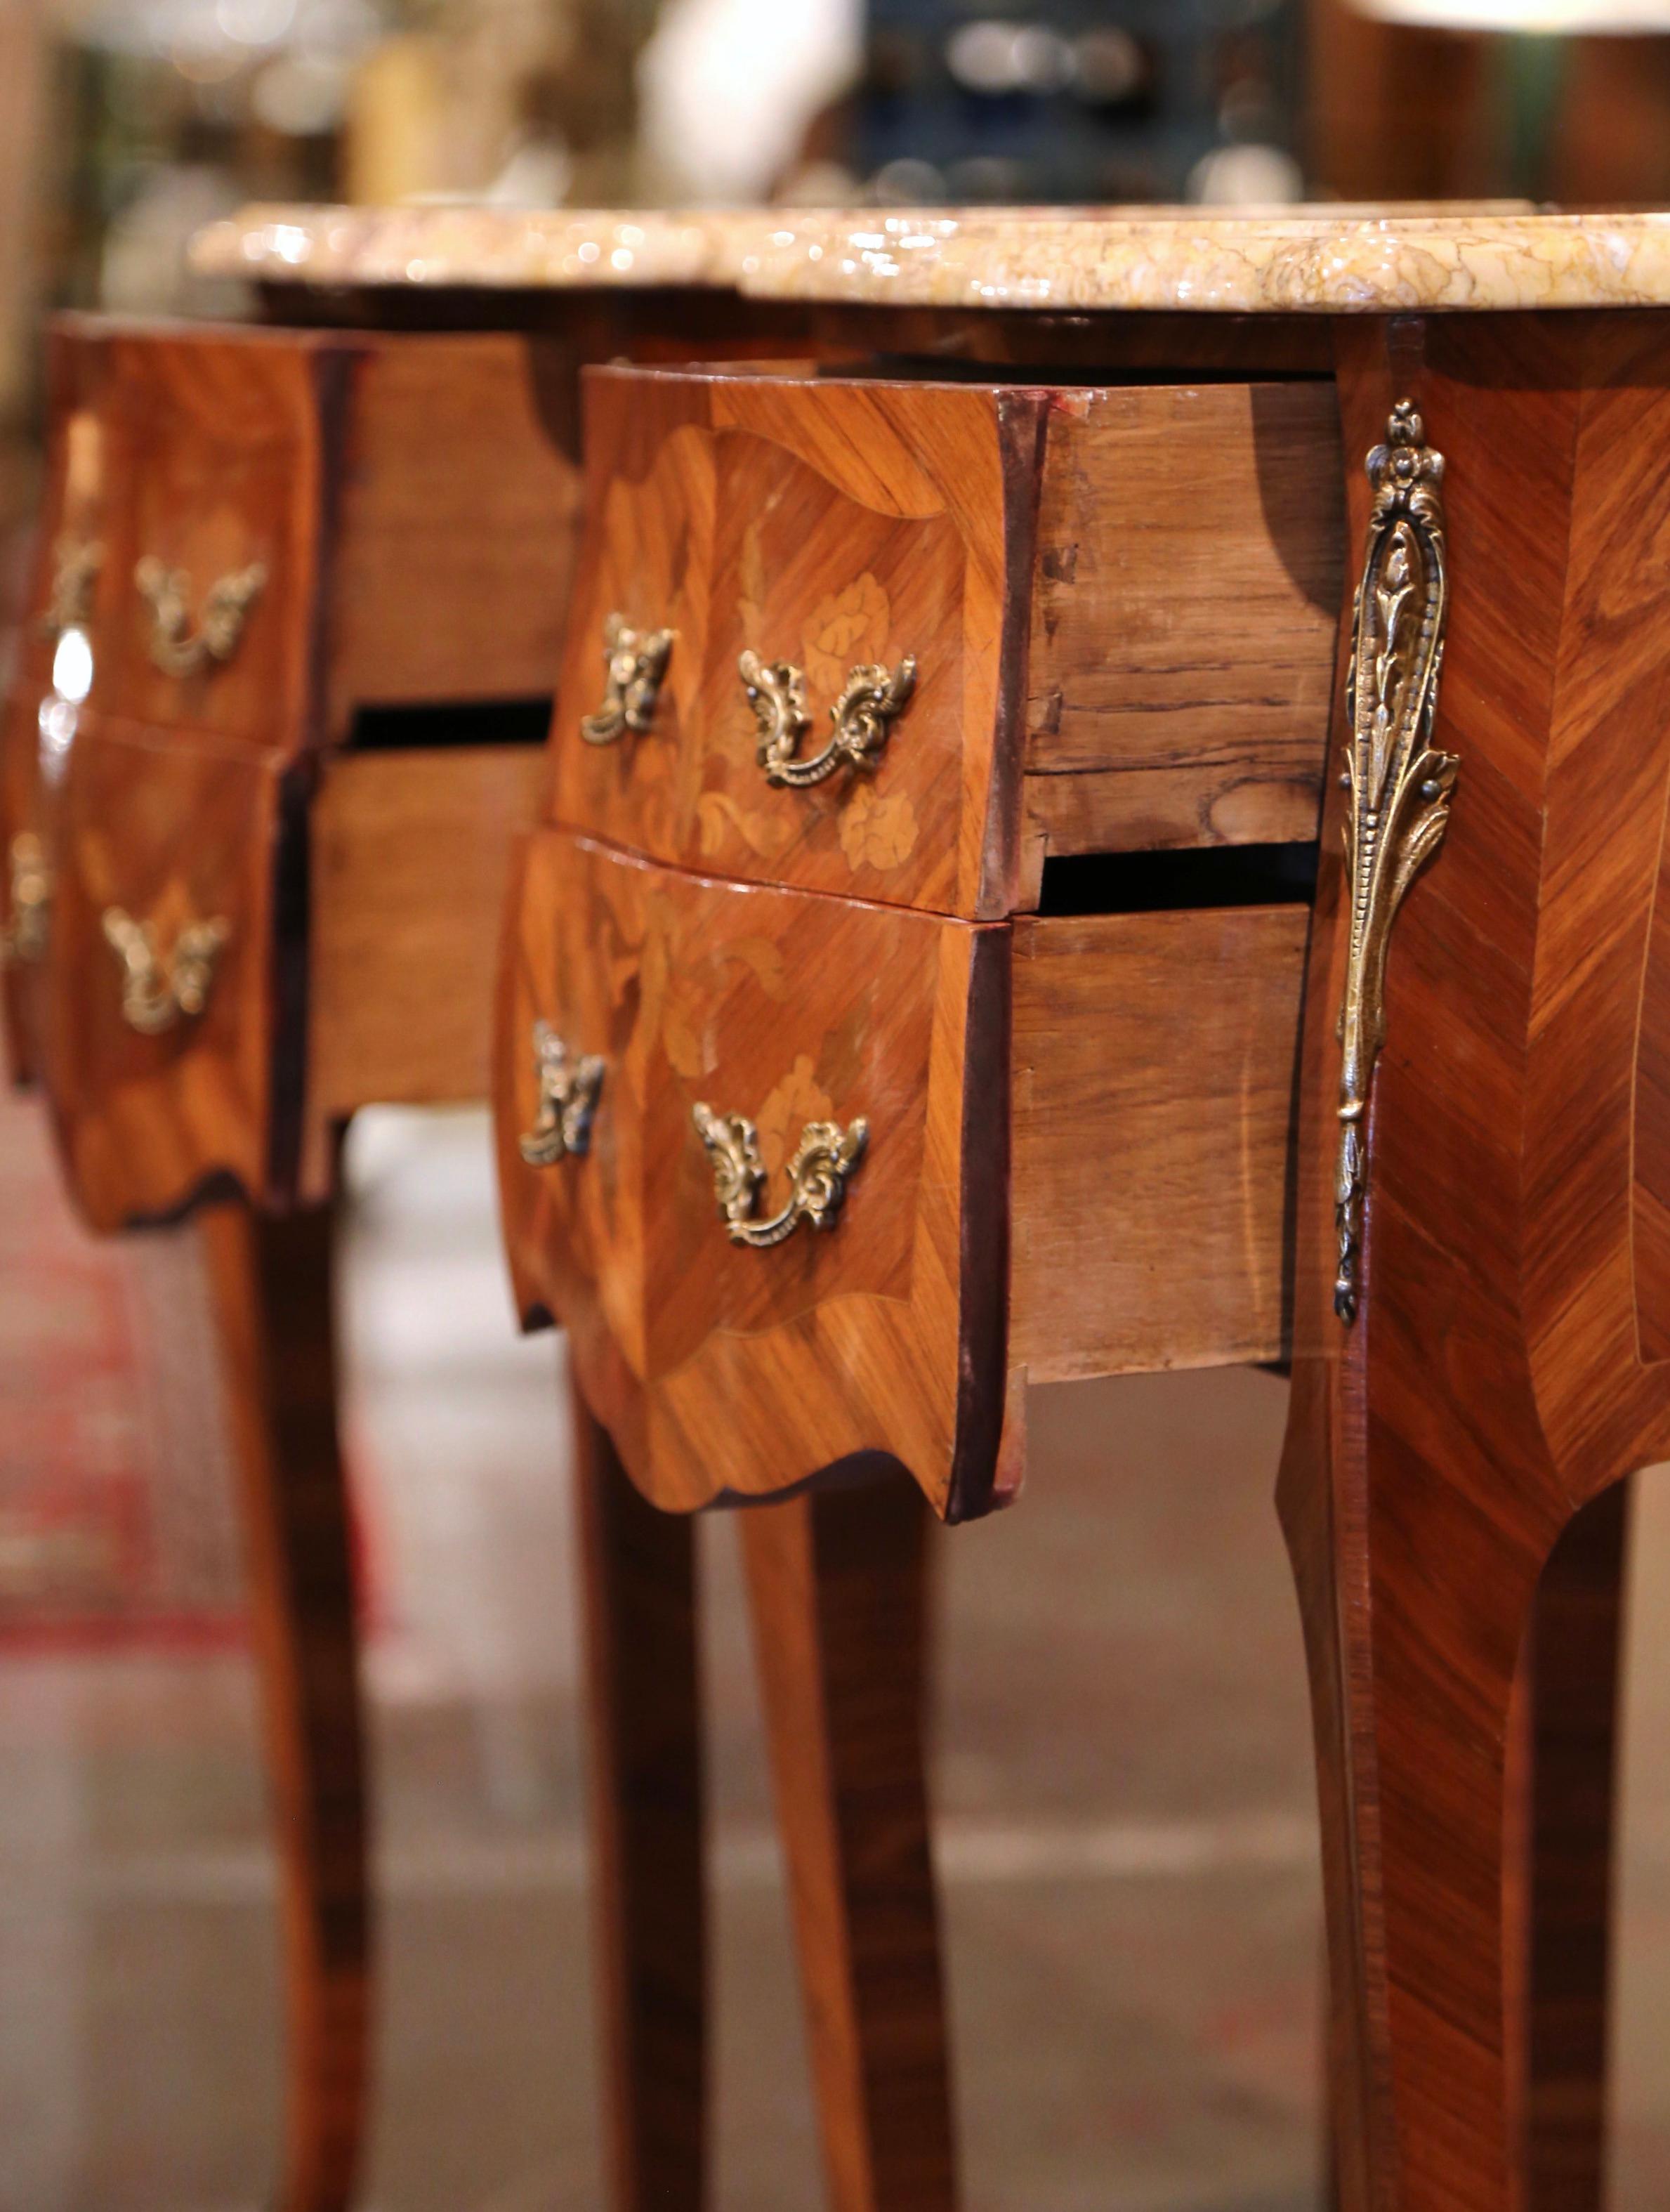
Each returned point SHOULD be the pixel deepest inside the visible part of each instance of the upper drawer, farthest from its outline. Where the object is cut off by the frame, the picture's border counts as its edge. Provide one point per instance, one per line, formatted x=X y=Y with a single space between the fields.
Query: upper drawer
x=266 y=529
x=69 y=582
x=668 y=1044
x=211 y=532
x=884 y=640
x=161 y=984
x=830 y=529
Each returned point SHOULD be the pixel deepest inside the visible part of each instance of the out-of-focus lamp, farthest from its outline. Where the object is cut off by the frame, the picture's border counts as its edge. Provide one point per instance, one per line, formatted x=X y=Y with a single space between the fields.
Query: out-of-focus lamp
x=1570 y=15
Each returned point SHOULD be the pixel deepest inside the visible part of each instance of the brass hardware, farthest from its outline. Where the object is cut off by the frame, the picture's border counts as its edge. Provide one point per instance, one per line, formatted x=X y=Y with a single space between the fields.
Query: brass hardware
x=637 y=662
x=175 y=648
x=23 y=937
x=75 y=565
x=158 y=993
x=863 y=717
x=567 y=1098
x=1399 y=785
x=817 y=1174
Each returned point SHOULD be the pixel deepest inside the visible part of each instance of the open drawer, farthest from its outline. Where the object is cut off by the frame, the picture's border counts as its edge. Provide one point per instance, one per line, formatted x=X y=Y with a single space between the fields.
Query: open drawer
x=805 y=1178
x=901 y=639
x=266 y=529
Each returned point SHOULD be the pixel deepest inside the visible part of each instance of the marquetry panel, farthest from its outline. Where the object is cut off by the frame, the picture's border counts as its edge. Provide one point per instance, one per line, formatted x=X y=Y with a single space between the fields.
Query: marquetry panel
x=24 y=812
x=828 y=524
x=214 y=469
x=174 y=833
x=717 y=1366
x=1134 y=593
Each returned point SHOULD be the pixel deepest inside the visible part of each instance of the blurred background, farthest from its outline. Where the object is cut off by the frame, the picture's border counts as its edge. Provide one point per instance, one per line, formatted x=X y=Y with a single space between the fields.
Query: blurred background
x=1122 y=1757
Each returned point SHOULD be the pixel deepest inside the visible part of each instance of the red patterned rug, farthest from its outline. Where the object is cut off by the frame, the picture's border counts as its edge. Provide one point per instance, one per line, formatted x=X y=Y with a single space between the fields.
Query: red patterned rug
x=117 y=1516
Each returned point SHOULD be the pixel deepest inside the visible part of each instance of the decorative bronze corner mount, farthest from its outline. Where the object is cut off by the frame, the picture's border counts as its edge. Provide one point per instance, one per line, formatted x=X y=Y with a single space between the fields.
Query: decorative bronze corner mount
x=1399 y=783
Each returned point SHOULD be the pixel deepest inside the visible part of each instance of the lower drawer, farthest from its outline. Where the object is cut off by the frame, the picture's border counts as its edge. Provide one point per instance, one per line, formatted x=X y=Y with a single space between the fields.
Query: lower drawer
x=161 y=975
x=1074 y=1161
x=746 y=1138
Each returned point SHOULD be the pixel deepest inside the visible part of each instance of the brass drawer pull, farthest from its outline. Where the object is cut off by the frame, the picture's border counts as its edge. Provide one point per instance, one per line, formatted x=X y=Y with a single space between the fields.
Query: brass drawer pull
x=75 y=565
x=817 y=1174
x=568 y=1099
x=175 y=647
x=23 y=939
x=158 y=993
x=863 y=716
x=637 y=662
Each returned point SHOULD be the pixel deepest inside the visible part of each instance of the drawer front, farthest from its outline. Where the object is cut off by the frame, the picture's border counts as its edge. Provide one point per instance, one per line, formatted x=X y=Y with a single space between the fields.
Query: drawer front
x=211 y=546
x=69 y=582
x=722 y=1361
x=828 y=528
x=162 y=1001
x=26 y=879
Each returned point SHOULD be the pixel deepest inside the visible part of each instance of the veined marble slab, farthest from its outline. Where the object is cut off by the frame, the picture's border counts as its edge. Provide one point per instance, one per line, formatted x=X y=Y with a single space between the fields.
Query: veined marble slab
x=1313 y=260
x=495 y=248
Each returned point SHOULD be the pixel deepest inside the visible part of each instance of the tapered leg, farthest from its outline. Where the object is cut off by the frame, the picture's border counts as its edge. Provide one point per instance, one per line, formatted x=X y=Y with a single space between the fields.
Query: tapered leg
x=271 y=1285
x=836 y=1581
x=1561 y=1801
x=1479 y=1299
x=638 y=1577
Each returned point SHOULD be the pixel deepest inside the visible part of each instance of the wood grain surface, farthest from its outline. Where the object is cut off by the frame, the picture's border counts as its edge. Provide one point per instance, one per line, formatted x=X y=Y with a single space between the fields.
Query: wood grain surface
x=1184 y=605
x=1166 y=562
x=271 y=1284
x=818 y=522
x=26 y=809
x=1496 y=1379
x=1154 y=1066
x=69 y=525
x=75 y=482
x=409 y=498
x=455 y=516
x=716 y=1367
x=174 y=831
x=648 y=1891
x=215 y=461
x=837 y=1583
x=1564 y=1745
x=411 y=865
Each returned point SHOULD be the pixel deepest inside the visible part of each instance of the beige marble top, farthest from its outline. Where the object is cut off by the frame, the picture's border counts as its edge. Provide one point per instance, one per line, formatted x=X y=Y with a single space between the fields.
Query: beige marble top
x=1311 y=260
x=492 y=247
x=1308 y=260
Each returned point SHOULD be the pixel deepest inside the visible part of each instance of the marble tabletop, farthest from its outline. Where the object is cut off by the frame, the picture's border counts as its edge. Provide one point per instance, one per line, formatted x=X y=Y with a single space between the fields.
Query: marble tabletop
x=1316 y=259
x=493 y=248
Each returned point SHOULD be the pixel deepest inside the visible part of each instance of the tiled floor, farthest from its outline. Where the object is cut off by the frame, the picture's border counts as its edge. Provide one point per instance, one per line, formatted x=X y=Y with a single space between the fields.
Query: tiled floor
x=1126 y=1836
